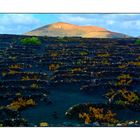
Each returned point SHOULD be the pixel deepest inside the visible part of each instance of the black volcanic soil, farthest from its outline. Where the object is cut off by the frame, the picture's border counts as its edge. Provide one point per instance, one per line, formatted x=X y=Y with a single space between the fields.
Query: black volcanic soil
x=63 y=72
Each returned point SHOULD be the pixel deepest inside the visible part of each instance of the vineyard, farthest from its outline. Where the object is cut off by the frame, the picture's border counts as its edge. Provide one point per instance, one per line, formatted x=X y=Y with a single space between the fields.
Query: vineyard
x=53 y=81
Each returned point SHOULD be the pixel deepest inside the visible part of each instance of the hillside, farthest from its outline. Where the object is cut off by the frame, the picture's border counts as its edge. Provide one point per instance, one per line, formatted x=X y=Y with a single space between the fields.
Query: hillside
x=62 y=29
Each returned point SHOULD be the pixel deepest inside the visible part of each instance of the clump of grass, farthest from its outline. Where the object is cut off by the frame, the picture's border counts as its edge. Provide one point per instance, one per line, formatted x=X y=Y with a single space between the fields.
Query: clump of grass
x=30 y=41
x=137 y=42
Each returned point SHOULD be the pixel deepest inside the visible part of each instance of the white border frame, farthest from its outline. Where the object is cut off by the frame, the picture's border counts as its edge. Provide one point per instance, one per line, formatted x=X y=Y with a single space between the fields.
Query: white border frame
x=69 y=6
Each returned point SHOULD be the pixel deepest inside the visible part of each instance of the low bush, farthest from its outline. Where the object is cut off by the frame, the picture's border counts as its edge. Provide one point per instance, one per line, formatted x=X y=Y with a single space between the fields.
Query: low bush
x=30 y=41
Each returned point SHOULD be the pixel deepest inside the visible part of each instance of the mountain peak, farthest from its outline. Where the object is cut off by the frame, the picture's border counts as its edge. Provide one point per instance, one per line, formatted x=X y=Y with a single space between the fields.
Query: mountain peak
x=62 y=29
x=62 y=25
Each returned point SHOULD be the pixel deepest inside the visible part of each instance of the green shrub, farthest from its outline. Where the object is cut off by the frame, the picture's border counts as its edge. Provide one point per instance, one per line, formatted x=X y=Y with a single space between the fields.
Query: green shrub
x=137 y=42
x=30 y=41
x=120 y=102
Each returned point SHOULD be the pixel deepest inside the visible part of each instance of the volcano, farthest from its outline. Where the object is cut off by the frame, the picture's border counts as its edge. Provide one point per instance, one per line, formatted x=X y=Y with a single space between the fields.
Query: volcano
x=62 y=29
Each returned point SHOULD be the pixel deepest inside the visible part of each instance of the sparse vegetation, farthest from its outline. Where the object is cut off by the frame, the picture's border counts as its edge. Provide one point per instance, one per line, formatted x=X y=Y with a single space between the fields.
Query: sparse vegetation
x=30 y=41
x=44 y=124
x=137 y=42
x=98 y=114
x=21 y=103
x=73 y=70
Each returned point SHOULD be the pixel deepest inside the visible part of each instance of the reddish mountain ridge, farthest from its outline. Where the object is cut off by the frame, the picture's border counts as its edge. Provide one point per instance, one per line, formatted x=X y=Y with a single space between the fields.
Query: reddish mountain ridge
x=62 y=29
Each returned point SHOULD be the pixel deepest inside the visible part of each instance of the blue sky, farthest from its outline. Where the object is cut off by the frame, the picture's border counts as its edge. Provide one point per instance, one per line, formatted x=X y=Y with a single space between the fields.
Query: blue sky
x=21 y=23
